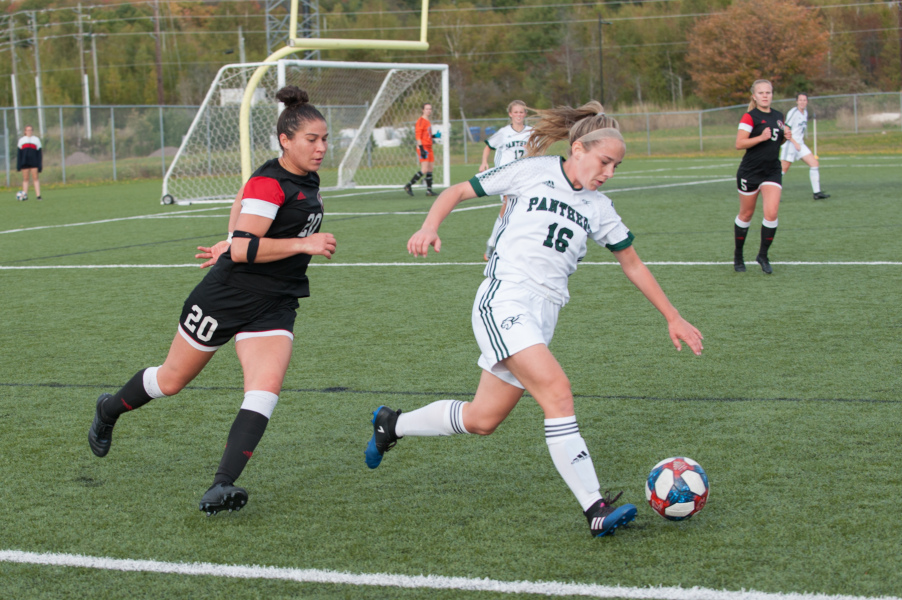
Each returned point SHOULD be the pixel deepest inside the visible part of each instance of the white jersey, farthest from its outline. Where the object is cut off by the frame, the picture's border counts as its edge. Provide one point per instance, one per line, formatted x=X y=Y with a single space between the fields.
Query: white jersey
x=547 y=223
x=508 y=144
x=797 y=121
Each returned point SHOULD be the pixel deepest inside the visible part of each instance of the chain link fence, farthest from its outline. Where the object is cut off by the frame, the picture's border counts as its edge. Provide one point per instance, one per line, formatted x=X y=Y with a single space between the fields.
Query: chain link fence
x=114 y=143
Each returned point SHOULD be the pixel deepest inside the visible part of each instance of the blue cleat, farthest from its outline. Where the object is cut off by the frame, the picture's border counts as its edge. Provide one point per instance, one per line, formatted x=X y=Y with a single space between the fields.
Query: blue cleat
x=604 y=518
x=384 y=438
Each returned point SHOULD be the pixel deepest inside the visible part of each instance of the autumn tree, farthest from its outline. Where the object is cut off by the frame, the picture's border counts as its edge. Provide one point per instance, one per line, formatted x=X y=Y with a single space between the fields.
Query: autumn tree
x=780 y=40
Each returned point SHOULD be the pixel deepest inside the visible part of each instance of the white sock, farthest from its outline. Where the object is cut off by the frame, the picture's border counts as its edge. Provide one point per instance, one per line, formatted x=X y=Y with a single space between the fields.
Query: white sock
x=572 y=460
x=444 y=417
x=742 y=223
x=814 y=175
x=151 y=386
x=260 y=402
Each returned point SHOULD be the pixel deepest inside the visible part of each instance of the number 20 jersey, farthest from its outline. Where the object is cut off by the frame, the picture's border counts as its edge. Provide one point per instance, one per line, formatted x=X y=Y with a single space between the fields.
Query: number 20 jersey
x=547 y=223
x=294 y=204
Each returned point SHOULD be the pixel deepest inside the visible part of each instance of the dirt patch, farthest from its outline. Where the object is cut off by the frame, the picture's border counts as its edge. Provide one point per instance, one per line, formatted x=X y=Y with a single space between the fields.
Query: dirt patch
x=79 y=158
x=166 y=151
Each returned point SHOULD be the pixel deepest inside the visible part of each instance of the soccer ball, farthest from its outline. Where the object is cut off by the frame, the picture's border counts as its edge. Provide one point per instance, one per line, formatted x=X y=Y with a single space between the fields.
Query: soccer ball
x=20 y=195
x=677 y=488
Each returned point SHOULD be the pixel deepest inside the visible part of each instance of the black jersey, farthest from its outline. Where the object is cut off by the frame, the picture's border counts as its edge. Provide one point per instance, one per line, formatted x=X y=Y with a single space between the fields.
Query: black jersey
x=765 y=155
x=294 y=204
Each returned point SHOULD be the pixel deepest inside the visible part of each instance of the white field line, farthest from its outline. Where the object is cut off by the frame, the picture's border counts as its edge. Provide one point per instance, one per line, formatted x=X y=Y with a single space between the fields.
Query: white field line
x=453 y=264
x=433 y=582
x=666 y=263
x=193 y=212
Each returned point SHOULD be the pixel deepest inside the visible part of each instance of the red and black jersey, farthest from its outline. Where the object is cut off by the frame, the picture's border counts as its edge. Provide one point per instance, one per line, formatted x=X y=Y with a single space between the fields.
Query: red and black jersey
x=294 y=204
x=30 y=154
x=764 y=155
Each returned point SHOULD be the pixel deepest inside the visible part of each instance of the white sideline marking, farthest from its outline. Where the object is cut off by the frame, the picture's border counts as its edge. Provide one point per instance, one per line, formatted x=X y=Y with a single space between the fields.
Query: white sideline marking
x=434 y=582
x=666 y=263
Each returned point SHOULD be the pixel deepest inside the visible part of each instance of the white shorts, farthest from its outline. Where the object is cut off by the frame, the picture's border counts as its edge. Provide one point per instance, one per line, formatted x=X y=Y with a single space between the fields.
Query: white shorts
x=508 y=318
x=789 y=153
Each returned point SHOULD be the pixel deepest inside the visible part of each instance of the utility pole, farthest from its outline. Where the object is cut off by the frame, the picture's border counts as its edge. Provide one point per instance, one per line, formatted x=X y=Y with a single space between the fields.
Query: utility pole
x=159 y=51
x=83 y=75
x=601 y=57
x=14 y=76
x=94 y=60
x=37 y=69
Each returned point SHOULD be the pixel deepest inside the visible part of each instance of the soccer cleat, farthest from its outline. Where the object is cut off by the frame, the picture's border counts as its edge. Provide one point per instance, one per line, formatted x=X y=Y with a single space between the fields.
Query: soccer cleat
x=604 y=518
x=384 y=438
x=407 y=189
x=821 y=196
x=100 y=436
x=223 y=496
x=430 y=193
x=765 y=264
x=738 y=264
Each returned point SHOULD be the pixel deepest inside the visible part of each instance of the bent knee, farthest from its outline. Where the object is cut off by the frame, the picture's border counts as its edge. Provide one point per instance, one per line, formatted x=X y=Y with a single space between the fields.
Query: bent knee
x=481 y=429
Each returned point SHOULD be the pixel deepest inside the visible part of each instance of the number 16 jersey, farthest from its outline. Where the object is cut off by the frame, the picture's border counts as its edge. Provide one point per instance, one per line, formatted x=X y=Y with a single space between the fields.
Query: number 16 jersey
x=547 y=223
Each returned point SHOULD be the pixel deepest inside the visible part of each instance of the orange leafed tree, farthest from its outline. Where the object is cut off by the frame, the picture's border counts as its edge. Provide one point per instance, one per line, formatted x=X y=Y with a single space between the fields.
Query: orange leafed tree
x=780 y=40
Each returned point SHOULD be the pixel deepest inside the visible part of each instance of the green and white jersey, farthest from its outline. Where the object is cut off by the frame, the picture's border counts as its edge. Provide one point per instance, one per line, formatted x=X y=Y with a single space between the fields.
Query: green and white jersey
x=797 y=121
x=508 y=144
x=547 y=224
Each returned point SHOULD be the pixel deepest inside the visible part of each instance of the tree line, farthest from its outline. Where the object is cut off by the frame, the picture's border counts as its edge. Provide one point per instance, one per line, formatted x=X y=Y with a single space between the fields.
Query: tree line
x=666 y=53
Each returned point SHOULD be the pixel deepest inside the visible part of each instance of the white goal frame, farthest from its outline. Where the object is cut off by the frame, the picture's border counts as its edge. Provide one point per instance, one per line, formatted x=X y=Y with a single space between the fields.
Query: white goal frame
x=399 y=86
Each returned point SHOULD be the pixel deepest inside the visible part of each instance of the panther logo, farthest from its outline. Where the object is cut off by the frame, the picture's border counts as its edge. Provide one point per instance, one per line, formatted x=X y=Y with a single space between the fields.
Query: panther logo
x=510 y=322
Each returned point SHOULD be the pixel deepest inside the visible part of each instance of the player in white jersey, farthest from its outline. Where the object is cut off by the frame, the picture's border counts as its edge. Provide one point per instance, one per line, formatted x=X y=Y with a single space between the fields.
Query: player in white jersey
x=554 y=209
x=509 y=144
x=795 y=149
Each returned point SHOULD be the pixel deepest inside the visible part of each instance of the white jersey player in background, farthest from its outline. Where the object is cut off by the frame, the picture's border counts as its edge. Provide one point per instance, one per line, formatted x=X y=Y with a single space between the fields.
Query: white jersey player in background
x=554 y=208
x=795 y=149
x=509 y=144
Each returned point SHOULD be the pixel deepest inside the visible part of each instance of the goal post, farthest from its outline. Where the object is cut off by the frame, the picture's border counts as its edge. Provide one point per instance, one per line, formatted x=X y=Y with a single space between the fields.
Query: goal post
x=370 y=110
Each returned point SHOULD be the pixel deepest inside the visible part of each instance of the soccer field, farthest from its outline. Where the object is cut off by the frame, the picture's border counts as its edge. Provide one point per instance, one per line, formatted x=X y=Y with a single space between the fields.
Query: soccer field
x=794 y=409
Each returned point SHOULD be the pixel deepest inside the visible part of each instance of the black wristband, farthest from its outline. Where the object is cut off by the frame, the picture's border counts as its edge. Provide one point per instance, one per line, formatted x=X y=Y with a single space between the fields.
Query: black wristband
x=252 y=246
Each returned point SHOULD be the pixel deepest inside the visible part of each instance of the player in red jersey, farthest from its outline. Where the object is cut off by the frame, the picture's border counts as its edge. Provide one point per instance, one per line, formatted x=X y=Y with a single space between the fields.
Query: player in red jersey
x=251 y=294
x=761 y=133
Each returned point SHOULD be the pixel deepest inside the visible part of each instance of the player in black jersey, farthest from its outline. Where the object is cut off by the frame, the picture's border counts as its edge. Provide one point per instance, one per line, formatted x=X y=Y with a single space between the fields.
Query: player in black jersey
x=761 y=133
x=251 y=294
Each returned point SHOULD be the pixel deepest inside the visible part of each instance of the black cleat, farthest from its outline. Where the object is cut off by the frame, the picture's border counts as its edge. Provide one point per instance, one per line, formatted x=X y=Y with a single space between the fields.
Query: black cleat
x=223 y=496
x=431 y=193
x=100 y=436
x=604 y=518
x=384 y=438
x=407 y=189
x=821 y=196
x=738 y=264
x=765 y=264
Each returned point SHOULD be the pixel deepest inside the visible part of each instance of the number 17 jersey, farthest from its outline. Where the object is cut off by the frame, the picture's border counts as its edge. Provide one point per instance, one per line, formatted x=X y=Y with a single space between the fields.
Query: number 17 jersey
x=546 y=226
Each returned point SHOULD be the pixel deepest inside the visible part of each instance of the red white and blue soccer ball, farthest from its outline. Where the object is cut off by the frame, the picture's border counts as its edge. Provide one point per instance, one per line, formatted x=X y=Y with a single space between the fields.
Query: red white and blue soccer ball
x=677 y=488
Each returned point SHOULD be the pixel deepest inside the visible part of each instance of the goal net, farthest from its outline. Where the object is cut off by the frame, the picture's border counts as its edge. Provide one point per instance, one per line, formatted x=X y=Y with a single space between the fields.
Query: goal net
x=370 y=110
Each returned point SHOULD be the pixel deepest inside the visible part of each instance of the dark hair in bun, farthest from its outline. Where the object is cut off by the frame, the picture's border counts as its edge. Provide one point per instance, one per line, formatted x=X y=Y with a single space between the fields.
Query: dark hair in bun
x=298 y=110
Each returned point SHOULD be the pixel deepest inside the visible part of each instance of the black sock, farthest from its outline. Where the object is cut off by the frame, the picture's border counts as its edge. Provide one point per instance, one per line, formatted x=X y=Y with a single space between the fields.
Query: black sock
x=767 y=238
x=739 y=234
x=429 y=181
x=416 y=178
x=246 y=432
x=131 y=396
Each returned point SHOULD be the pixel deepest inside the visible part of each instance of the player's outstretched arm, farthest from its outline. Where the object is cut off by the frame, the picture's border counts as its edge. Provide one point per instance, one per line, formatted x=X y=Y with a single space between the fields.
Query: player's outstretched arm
x=679 y=329
x=419 y=243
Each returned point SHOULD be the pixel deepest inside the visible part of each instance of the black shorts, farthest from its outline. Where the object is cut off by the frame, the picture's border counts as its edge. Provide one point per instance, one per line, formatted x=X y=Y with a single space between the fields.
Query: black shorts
x=214 y=313
x=748 y=182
